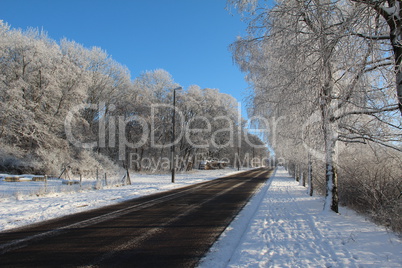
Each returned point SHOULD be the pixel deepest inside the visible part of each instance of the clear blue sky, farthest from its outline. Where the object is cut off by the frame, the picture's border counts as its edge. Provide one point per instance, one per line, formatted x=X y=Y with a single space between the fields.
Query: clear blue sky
x=187 y=38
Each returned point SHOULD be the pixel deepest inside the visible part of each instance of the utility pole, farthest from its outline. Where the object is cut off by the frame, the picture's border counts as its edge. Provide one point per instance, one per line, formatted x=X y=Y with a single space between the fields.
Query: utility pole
x=173 y=164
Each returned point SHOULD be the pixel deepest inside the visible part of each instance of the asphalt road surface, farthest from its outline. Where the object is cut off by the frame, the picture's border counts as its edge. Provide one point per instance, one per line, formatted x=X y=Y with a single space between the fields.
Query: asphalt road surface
x=170 y=229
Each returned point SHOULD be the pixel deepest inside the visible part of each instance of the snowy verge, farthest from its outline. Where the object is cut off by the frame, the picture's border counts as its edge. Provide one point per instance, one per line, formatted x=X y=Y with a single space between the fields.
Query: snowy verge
x=284 y=227
x=20 y=203
x=221 y=252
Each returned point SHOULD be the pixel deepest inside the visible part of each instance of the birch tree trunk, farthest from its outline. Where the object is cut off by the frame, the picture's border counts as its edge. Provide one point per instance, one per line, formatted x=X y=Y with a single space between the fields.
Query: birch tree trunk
x=331 y=178
x=310 y=176
x=331 y=196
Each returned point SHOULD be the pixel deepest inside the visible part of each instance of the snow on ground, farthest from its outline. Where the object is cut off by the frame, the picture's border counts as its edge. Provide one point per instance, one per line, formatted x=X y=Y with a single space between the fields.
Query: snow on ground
x=27 y=202
x=280 y=227
x=284 y=227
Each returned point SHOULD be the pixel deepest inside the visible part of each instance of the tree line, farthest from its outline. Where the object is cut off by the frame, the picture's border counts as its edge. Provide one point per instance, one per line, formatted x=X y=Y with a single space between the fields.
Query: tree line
x=66 y=105
x=328 y=75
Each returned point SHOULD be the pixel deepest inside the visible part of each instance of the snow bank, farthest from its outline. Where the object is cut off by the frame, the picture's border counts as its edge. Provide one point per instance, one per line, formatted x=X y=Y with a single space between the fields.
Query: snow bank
x=284 y=227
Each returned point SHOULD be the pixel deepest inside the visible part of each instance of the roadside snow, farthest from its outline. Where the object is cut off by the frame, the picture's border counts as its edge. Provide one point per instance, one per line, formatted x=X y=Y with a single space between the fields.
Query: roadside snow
x=27 y=202
x=284 y=227
x=280 y=227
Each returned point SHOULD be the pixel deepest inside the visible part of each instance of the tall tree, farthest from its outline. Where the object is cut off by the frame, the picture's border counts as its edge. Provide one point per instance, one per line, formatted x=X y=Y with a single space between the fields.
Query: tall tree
x=391 y=12
x=306 y=66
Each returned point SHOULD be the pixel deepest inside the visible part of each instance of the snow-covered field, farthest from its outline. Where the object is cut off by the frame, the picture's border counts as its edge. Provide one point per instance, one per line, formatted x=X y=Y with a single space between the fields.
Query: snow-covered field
x=284 y=227
x=280 y=227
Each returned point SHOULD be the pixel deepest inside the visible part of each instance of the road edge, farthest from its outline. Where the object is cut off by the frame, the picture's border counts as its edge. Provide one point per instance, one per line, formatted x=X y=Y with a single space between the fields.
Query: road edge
x=221 y=252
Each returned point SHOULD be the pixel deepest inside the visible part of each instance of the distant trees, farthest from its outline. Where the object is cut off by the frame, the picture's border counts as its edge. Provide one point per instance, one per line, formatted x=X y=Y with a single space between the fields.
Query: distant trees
x=64 y=104
x=321 y=81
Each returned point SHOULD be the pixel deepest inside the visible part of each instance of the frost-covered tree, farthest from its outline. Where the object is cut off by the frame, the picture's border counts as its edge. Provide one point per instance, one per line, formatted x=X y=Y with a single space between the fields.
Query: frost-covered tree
x=66 y=105
x=41 y=81
x=391 y=12
x=325 y=83
x=34 y=96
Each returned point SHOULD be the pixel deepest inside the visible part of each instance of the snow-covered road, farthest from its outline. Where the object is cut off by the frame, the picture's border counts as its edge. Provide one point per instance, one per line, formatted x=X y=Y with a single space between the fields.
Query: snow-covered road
x=284 y=227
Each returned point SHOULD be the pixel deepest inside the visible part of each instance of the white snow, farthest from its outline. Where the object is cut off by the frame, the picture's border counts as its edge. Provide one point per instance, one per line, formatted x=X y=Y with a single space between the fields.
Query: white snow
x=280 y=227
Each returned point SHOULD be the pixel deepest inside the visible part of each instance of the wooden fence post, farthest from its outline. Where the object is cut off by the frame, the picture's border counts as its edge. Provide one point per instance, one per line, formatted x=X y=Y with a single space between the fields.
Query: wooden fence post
x=128 y=177
x=45 y=183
